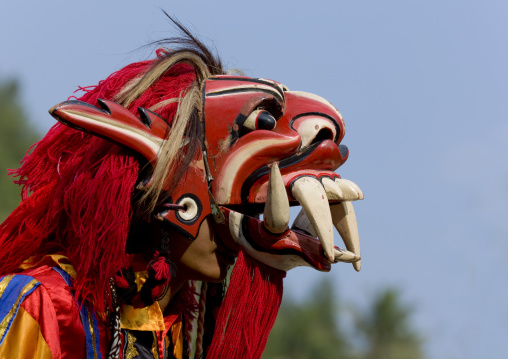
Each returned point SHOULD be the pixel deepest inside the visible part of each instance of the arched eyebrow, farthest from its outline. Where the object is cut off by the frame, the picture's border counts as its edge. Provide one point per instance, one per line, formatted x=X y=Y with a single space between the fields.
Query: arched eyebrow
x=276 y=87
x=237 y=90
x=267 y=86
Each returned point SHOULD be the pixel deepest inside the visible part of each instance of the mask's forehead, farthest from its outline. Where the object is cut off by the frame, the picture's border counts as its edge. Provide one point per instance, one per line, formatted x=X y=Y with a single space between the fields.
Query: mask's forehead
x=228 y=100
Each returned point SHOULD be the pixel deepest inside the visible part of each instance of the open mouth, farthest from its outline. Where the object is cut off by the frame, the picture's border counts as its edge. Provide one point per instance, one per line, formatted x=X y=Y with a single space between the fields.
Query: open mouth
x=325 y=199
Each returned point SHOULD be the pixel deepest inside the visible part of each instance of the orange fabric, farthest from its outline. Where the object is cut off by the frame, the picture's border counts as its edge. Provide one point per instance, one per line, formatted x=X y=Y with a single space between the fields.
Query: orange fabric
x=25 y=340
x=54 y=307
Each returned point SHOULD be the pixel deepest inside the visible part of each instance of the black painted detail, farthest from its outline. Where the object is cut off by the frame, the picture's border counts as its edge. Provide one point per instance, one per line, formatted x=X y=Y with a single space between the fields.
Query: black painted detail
x=262 y=171
x=240 y=90
x=240 y=119
x=250 y=80
x=343 y=150
x=153 y=113
x=292 y=183
x=237 y=125
x=266 y=121
x=144 y=117
x=103 y=106
x=326 y=176
x=198 y=214
x=76 y=102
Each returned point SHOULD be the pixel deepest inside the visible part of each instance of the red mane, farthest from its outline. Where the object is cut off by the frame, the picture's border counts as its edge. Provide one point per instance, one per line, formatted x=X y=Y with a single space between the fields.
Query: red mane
x=77 y=190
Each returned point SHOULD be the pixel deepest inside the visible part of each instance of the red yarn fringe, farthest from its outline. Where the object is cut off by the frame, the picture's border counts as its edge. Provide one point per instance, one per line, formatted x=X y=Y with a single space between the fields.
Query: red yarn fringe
x=249 y=310
x=77 y=190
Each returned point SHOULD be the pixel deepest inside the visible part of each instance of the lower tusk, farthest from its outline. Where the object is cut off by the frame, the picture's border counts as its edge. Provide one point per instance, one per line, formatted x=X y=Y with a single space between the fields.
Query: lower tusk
x=302 y=223
x=341 y=255
x=344 y=220
x=309 y=192
x=276 y=213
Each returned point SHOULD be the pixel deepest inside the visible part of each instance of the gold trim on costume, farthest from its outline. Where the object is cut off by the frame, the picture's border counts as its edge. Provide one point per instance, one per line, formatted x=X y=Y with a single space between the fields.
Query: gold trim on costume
x=131 y=352
x=90 y=325
x=155 y=346
x=12 y=311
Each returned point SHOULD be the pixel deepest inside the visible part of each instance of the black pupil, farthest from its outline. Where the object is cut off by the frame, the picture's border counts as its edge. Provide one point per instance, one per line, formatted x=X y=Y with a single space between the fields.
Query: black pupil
x=266 y=121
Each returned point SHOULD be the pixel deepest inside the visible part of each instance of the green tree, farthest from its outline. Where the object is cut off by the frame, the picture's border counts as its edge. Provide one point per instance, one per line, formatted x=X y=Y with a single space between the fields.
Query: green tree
x=382 y=330
x=386 y=329
x=16 y=136
x=309 y=329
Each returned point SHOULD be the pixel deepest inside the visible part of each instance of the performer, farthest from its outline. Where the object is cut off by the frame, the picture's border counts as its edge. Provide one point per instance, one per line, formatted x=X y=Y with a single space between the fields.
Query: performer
x=144 y=194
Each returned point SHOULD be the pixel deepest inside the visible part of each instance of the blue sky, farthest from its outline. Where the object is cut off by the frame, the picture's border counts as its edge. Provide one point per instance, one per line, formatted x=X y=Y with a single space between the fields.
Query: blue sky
x=423 y=90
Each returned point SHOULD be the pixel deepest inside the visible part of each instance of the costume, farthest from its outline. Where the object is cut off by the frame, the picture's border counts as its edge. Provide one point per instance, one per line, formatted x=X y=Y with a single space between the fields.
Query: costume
x=164 y=149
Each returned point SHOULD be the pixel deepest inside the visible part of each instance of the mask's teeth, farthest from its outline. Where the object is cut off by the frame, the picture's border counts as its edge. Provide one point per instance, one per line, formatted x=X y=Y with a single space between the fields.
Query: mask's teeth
x=302 y=223
x=276 y=213
x=344 y=219
x=350 y=189
x=341 y=255
x=311 y=195
x=333 y=191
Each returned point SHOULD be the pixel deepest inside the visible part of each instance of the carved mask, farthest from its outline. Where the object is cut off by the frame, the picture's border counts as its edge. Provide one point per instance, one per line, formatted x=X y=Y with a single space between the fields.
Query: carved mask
x=265 y=148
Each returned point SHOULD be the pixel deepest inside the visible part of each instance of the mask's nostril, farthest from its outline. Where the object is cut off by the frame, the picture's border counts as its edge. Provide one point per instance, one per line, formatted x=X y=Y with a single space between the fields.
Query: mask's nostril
x=322 y=135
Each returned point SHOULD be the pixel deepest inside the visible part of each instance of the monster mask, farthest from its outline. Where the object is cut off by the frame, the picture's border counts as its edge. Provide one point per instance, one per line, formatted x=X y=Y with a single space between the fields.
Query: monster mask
x=264 y=149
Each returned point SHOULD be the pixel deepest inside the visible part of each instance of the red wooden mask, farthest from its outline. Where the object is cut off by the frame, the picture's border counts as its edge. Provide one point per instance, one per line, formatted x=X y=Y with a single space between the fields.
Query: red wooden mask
x=265 y=148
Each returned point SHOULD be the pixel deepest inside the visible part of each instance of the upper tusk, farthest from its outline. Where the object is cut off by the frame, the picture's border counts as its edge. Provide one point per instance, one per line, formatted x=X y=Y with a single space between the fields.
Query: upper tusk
x=312 y=197
x=333 y=191
x=276 y=213
x=344 y=219
x=350 y=190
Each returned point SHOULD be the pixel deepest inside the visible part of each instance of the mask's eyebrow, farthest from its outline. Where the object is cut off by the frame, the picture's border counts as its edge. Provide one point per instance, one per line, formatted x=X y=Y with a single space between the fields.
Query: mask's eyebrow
x=267 y=86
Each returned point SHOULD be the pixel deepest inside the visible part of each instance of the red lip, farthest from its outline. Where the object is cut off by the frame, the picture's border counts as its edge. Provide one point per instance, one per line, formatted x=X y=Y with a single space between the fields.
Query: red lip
x=290 y=242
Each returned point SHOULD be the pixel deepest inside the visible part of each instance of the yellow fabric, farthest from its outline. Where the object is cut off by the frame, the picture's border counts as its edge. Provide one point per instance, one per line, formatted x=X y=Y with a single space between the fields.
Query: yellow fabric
x=148 y=318
x=176 y=335
x=145 y=319
x=58 y=259
x=24 y=339
x=5 y=322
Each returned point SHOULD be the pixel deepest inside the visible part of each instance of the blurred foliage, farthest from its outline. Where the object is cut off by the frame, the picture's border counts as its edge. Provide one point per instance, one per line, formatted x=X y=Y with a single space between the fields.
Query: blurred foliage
x=16 y=136
x=314 y=328
x=307 y=330
x=386 y=329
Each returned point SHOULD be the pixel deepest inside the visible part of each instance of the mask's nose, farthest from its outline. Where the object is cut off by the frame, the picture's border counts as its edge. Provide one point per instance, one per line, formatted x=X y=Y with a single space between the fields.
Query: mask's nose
x=314 y=129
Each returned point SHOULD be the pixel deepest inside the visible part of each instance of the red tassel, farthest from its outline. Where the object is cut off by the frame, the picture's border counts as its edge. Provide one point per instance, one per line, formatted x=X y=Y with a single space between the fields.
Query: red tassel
x=121 y=282
x=162 y=269
x=248 y=312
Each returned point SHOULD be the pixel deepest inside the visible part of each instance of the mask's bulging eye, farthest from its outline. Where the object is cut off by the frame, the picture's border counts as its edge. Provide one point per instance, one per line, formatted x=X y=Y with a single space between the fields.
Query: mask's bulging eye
x=260 y=120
